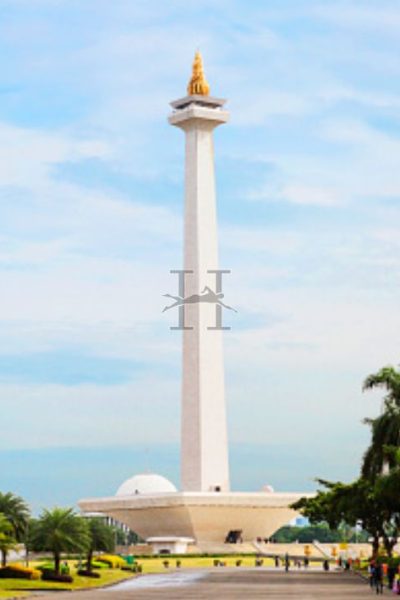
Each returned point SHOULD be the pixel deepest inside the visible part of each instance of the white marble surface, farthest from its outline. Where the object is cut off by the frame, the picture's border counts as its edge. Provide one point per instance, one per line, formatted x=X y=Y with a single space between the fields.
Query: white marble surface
x=204 y=444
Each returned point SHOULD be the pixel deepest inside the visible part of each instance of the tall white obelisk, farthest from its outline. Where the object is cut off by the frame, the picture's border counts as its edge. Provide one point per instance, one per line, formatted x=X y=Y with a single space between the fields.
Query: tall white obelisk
x=204 y=445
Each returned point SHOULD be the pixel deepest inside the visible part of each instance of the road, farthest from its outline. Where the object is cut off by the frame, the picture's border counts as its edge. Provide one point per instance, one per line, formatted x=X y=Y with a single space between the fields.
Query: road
x=243 y=584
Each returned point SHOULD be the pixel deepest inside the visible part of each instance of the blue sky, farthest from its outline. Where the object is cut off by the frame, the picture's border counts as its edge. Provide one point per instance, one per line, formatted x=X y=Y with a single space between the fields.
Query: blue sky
x=91 y=184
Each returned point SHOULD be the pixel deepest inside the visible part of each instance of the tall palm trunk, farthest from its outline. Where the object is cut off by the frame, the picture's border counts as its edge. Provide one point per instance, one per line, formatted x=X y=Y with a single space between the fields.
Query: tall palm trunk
x=57 y=561
x=389 y=543
x=89 y=560
x=375 y=546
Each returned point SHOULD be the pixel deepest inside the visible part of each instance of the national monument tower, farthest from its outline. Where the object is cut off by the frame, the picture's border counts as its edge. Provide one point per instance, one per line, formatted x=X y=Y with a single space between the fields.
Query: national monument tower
x=204 y=445
x=204 y=513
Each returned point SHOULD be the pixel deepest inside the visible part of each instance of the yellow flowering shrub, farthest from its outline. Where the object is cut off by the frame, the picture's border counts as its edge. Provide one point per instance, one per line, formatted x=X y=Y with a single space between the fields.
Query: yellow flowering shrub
x=112 y=560
x=17 y=571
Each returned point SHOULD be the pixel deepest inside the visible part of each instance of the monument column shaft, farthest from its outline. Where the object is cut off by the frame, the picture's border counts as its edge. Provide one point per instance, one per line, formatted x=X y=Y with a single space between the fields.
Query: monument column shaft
x=204 y=453
x=204 y=445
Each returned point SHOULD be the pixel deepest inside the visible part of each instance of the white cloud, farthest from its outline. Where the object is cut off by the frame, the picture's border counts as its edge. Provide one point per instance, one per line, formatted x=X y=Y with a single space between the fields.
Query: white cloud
x=303 y=194
x=79 y=266
x=357 y=161
x=249 y=240
x=370 y=165
x=373 y=98
x=264 y=105
x=298 y=193
x=85 y=268
x=27 y=155
x=383 y=15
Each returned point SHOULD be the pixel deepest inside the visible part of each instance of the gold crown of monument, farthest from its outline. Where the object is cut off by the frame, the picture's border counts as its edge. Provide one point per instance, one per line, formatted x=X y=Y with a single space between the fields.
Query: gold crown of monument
x=198 y=84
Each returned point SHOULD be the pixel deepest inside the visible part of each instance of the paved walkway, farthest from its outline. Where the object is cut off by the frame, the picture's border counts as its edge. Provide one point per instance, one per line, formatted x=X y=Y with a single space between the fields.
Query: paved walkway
x=244 y=584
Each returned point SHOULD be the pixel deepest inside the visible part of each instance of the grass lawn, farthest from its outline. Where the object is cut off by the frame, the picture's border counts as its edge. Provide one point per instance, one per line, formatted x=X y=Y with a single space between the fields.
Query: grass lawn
x=155 y=565
x=20 y=588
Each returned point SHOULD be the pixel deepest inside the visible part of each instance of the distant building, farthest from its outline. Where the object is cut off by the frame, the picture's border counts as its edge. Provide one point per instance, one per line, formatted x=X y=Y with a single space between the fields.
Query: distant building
x=299 y=522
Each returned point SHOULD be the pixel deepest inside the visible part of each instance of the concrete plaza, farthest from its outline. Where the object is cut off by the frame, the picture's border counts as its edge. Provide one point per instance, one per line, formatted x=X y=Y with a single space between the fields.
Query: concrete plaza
x=239 y=584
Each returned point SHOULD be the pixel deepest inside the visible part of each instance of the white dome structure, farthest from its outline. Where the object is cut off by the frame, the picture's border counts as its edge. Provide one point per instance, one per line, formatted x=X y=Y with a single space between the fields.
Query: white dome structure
x=267 y=489
x=146 y=483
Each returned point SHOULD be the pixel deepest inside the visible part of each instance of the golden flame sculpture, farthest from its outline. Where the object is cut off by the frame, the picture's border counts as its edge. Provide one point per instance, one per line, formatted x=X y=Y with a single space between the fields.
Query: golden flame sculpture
x=198 y=83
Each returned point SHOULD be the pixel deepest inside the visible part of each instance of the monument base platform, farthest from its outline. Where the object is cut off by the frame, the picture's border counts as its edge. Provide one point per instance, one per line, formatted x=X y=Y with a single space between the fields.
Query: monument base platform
x=203 y=516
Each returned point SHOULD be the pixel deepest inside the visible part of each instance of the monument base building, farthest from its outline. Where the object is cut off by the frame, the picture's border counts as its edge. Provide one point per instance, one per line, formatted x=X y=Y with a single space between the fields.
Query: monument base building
x=205 y=511
x=170 y=520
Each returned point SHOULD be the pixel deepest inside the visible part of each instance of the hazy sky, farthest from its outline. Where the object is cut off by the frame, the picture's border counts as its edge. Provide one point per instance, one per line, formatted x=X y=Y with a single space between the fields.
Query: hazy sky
x=91 y=175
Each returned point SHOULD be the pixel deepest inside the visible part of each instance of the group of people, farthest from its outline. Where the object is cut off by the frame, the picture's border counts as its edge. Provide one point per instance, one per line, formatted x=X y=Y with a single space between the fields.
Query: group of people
x=285 y=561
x=377 y=573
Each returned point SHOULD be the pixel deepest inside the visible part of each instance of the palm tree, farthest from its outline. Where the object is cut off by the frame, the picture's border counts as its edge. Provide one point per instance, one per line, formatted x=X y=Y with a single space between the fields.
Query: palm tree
x=386 y=427
x=16 y=512
x=7 y=539
x=101 y=538
x=389 y=379
x=60 y=530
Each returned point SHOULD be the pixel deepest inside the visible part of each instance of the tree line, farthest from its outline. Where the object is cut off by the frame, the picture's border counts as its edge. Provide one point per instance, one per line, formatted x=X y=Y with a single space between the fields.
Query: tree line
x=372 y=501
x=57 y=531
x=320 y=532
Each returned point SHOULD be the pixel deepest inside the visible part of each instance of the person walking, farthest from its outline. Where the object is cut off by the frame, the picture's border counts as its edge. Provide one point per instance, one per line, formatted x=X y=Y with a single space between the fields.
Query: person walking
x=396 y=584
x=378 y=578
x=371 y=567
x=391 y=574
x=287 y=562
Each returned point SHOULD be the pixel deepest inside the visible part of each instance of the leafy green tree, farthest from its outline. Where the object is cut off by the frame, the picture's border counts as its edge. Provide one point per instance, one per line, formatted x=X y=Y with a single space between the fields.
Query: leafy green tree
x=320 y=532
x=371 y=501
x=133 y=538
x=102 y=538
x=307 y=534
x=387 y=487
x=385 y=428
x=60 y=530
x=16 y=512
x=120 y=536
x=358 y=503
x=7 y=539
x=387 y=378
x=29 y=537
x=126 y=538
